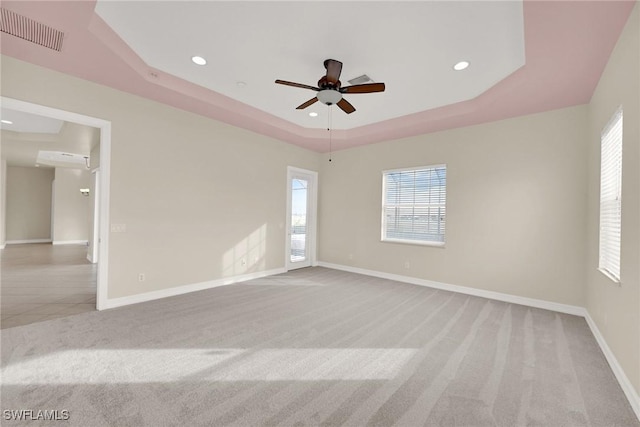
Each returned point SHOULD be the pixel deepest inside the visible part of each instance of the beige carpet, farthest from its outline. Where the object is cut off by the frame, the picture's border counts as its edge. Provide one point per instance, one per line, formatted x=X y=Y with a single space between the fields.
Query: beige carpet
x=314 y=347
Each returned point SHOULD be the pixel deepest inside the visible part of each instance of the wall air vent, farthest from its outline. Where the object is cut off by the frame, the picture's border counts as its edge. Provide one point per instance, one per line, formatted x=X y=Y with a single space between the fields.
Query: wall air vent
x=30 y=30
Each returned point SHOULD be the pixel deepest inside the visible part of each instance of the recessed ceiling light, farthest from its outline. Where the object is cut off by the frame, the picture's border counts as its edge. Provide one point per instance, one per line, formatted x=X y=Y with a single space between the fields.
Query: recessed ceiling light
x=313 y=114
x=461 y=65
x=199 y=60
x=37 y=165
x=7 y=122
x=241 y=84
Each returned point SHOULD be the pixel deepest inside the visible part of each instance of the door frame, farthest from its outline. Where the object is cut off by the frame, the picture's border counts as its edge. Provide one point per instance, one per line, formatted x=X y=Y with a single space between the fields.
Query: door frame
x=312 y=216
x=53 y=208
x=105 y=168
x=95 y=238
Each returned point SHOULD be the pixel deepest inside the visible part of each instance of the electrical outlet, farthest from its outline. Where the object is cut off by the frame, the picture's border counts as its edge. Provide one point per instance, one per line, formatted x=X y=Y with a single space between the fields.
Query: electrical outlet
x=407 y=265
x=350 y=256
x=141 y=277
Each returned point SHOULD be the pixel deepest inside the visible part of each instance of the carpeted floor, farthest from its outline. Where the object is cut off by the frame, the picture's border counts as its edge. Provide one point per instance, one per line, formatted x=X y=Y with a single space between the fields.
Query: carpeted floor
x=313 y=347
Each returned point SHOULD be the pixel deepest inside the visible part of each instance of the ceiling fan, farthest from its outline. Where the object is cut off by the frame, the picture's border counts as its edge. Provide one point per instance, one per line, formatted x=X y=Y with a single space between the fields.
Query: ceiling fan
x=329 y=88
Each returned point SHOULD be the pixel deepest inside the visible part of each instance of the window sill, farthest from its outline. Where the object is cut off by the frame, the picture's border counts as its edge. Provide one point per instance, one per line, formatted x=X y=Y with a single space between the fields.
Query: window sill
x=414 y=242
x=610 y=277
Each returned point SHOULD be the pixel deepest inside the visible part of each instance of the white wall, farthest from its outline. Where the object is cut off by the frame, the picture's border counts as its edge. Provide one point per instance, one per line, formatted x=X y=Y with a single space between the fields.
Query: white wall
x=94 y=156
x=196 y=195
x=516 y=193
x=616 y=308
x=94 y=161
x=28 y=203
x=71 y=210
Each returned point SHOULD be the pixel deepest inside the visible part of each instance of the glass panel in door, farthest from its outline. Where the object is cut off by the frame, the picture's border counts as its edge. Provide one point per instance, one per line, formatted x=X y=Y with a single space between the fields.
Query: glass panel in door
x=299 y=208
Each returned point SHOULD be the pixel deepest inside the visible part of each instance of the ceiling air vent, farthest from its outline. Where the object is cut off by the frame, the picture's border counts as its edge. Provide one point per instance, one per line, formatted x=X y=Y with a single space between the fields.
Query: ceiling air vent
x=30 y=30
x=360 y=80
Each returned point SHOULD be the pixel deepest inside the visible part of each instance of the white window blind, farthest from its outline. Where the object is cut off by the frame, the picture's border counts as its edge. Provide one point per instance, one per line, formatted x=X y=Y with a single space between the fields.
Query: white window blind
x=413 y=205
x=611 y=197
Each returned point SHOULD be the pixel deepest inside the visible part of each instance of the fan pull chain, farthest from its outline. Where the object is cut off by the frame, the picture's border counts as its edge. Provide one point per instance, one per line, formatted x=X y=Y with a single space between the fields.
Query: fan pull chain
x=329 y=127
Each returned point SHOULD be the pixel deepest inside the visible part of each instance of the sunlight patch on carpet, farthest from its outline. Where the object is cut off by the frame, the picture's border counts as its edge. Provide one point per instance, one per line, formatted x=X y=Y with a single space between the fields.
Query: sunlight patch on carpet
x=107 y=366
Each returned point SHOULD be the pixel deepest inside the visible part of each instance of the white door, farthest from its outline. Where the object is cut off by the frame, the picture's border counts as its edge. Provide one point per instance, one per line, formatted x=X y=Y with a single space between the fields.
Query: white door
x=301 y=217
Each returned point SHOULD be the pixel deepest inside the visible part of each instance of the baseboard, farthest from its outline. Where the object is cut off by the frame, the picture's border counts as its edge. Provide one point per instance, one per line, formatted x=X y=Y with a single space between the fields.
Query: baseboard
x=623 y=380
x=531 y=302
x=170 y=292
x=21 y=242
x=70 y=242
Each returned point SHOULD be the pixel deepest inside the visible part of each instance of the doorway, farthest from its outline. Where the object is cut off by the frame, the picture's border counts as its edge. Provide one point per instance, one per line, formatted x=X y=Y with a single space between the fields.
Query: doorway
x=301 y=218
x=102 y=190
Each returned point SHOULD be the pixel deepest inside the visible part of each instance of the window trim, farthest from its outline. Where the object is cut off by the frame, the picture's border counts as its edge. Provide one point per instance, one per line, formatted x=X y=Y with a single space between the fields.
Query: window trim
x=383 y=238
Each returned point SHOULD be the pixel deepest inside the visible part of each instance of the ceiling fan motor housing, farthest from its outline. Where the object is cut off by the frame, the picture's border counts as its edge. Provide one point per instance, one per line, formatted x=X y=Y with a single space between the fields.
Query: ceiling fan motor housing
x=329 y=96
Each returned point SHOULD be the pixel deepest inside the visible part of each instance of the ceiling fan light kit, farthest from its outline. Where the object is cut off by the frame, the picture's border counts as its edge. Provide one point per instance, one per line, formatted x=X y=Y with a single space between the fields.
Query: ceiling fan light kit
x=329 y=96
x=329 y=88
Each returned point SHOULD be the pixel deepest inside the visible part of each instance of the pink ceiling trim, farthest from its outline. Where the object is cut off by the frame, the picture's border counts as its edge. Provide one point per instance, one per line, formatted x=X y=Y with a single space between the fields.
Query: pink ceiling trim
x=567 y=45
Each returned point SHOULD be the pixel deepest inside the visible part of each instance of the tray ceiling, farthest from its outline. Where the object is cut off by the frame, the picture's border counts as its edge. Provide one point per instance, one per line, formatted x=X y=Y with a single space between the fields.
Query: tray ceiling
x=410 y=46
x=526 y=57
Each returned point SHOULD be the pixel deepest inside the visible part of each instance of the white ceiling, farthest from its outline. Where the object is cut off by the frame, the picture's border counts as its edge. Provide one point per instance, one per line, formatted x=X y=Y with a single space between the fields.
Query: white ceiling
x=29 y=123
x=410 y=46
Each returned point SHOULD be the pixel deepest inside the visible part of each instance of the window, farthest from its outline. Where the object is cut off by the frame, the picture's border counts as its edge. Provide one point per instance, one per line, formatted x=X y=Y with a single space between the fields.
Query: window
x=611 y=197
x=413 y=205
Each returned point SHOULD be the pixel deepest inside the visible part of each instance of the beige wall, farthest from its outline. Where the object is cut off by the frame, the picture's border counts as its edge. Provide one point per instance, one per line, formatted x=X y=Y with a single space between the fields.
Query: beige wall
x=3 y=202
x=516 y=192
x=196 y=195
x=616 y=308
x=28 y=203
x=70 y=207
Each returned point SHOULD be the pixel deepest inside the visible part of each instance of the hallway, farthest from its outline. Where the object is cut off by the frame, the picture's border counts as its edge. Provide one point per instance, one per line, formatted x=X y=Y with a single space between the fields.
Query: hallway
x=42 y=282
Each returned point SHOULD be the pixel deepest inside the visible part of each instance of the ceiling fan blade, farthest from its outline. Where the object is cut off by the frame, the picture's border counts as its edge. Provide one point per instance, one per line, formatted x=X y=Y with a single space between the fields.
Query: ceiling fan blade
x=364 y=88
x=345 y=106
x=306 y=104
x=334 y=68
x=300 y=85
